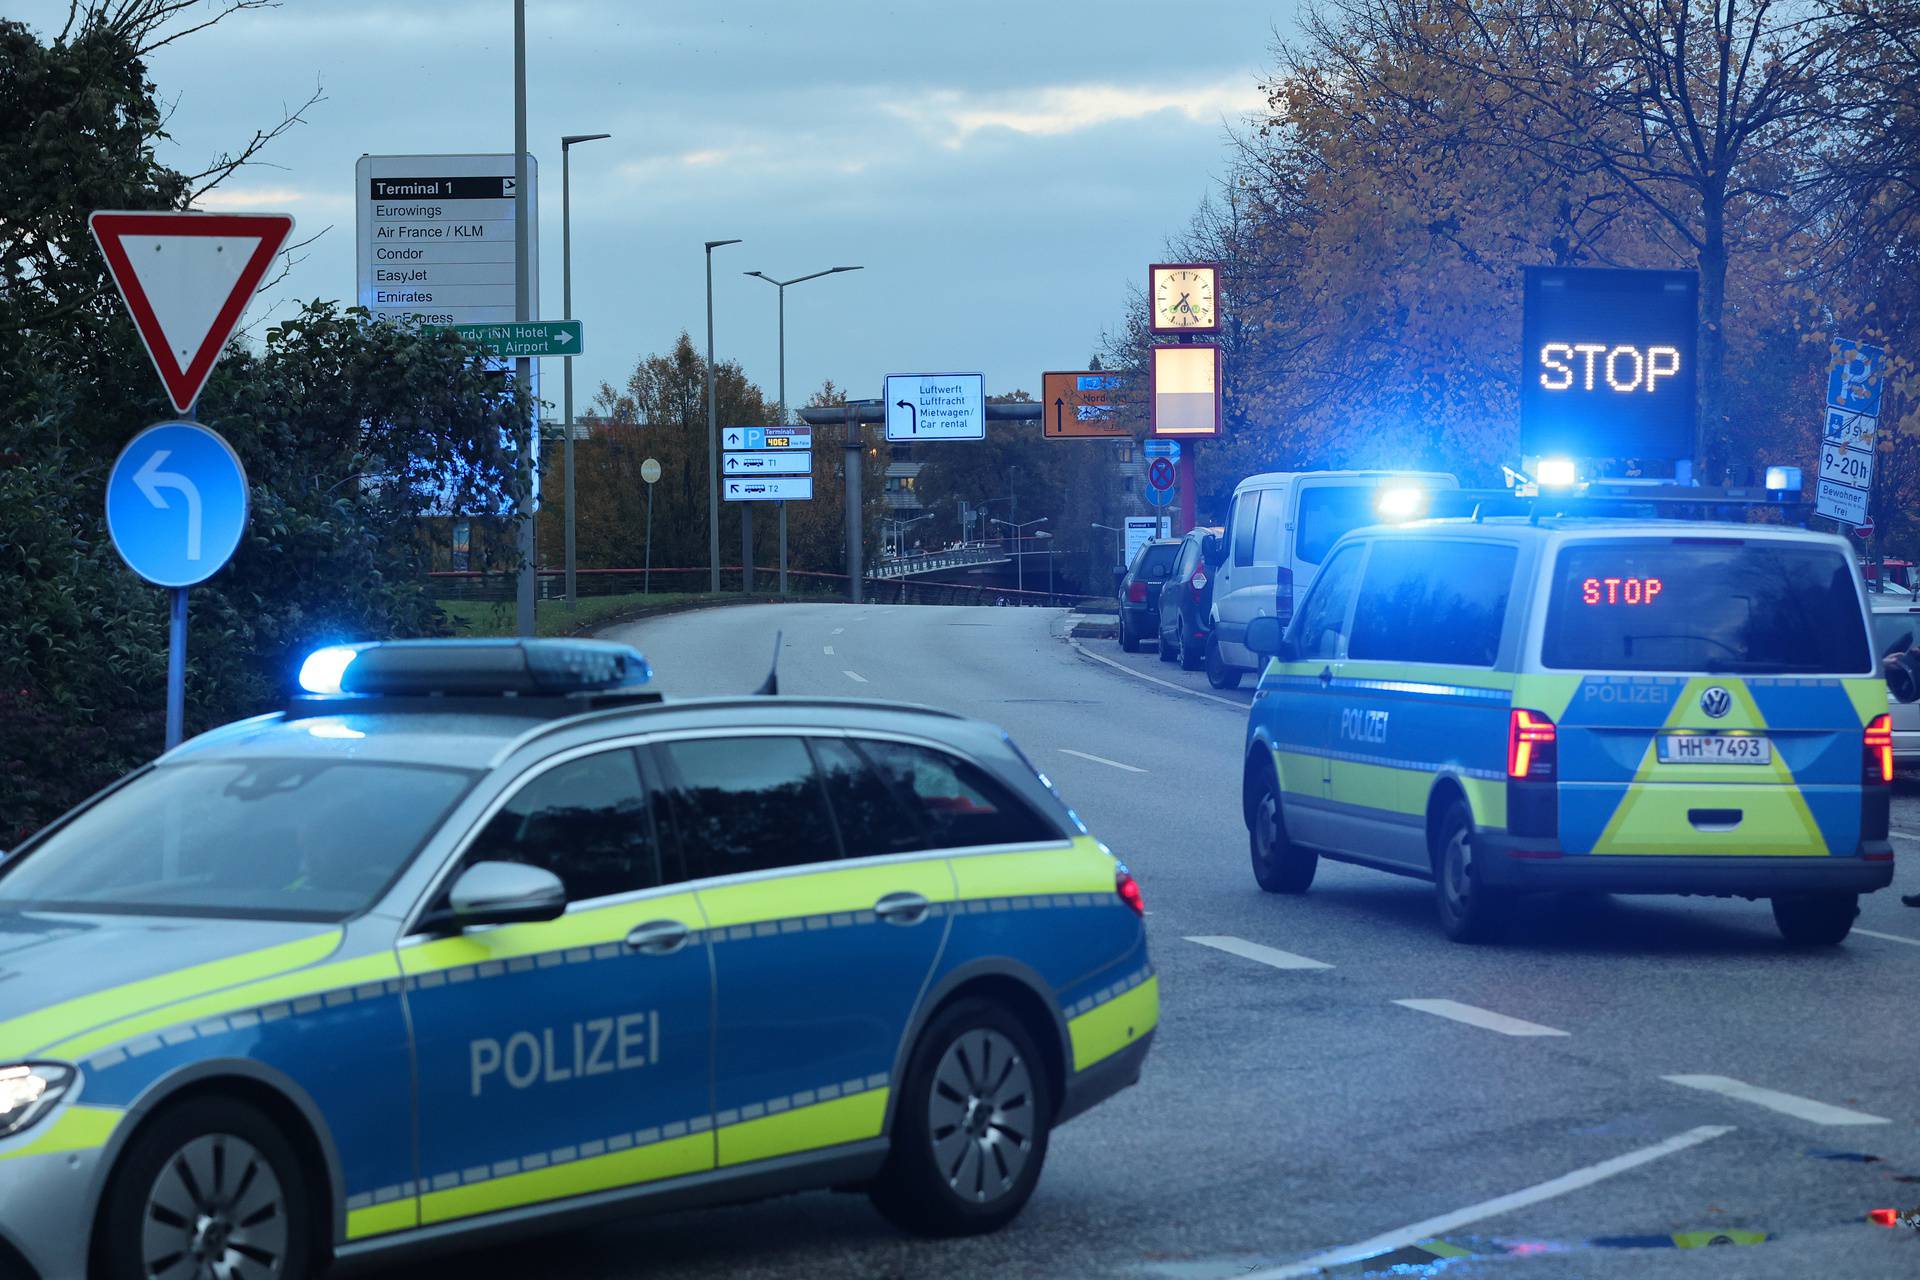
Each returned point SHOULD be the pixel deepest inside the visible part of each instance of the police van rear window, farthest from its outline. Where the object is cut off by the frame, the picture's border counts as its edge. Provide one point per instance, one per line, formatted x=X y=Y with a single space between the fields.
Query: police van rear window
x=1705 y=604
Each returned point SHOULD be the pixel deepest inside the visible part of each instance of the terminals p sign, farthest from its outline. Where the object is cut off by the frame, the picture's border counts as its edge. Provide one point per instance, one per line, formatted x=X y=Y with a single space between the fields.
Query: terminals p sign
x=1607 y=363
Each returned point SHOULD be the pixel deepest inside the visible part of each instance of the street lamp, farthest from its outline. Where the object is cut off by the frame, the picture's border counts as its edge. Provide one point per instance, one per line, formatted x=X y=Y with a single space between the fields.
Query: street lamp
x=782 y=286
x=1020 y=565
x=566 y=305
x=713 y=439
x=900 y=528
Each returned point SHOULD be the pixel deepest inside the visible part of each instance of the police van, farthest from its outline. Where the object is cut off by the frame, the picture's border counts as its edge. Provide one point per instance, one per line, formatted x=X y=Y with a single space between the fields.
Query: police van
x=486 y=938
x=1624 y=705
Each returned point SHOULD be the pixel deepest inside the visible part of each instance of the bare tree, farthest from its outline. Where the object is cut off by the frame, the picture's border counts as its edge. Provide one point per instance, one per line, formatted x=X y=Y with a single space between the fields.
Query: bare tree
x=1721 y=117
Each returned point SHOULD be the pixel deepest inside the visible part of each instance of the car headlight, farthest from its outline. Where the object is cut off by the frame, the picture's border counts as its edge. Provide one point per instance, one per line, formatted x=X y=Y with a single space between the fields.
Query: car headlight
x=29 y=1090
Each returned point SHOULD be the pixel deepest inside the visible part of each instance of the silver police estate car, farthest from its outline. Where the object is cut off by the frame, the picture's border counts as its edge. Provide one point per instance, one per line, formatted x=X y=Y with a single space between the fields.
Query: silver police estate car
x=490 y=938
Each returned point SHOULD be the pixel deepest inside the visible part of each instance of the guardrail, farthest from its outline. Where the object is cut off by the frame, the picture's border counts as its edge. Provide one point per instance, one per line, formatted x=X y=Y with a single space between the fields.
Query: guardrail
x=935 y=561
x=803 y=584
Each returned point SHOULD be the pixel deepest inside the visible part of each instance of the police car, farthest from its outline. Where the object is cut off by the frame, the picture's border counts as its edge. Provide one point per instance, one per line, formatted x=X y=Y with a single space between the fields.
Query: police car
x=1568 y=703
x=493 y=939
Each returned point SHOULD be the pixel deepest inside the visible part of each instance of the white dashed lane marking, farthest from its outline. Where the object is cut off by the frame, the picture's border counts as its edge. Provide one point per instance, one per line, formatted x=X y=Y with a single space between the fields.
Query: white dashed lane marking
x=1086 y=755
x=827 y=649
x=1786 y=1104
x=1477 y=1017
x=1265 y=955
x=1886 y=937
x=1387 y=1241
x=855 y=676
x=838 y=630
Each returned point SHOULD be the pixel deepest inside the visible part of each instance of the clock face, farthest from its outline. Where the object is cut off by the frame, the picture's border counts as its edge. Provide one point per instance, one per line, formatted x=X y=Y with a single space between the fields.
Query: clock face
x=1183 y=298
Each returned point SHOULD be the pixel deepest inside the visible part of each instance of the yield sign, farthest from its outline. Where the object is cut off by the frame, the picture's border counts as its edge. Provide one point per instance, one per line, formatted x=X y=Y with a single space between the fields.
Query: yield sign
x=187 y=279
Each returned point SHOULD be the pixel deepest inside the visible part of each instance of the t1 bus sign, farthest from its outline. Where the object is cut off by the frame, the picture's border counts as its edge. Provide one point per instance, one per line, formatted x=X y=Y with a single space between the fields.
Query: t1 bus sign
x=1607 y=363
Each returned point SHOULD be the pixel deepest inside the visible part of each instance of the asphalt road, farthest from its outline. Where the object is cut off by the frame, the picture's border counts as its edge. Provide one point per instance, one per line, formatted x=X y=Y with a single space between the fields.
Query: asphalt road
x=1291 y=1115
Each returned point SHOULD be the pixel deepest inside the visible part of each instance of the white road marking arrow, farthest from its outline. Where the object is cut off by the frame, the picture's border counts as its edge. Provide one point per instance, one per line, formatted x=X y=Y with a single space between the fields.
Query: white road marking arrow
x=150 y=480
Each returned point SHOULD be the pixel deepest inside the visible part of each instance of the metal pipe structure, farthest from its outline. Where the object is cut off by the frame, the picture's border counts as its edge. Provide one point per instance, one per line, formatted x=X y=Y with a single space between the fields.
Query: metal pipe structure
x=713 y=438
x=566 y=305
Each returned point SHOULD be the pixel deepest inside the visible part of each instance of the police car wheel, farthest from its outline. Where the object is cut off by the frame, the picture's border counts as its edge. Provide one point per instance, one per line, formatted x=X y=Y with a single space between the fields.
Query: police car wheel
x=1816 y=919
x=1279 y=865
x=1219 y=674
x=970 y=1130
x=210 y=1188
x=1469 y=910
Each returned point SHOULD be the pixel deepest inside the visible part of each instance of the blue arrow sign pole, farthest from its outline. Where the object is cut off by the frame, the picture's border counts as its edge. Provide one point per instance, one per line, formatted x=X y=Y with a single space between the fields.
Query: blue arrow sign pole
x=177 y=669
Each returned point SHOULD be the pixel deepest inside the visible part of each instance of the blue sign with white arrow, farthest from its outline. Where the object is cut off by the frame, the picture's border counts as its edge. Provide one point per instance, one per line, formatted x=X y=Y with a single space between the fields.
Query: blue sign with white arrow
x=177 y=504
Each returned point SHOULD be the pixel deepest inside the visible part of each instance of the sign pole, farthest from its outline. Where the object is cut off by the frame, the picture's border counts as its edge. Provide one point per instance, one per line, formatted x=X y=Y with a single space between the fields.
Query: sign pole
x=646 y=580
x=523 y=311
x=1185 y=481
x=783 y=422
x=177 y=668
x=856 y=589
x=746 y=548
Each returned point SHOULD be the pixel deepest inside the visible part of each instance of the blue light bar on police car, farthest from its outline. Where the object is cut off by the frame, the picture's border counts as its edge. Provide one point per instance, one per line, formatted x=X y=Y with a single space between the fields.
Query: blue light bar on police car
x=474 y=668
x=1783 y=479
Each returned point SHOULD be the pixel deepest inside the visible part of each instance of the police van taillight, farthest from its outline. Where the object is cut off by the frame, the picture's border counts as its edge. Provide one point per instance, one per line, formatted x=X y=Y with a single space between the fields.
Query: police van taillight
x=1877 y=751
x=1532 y=746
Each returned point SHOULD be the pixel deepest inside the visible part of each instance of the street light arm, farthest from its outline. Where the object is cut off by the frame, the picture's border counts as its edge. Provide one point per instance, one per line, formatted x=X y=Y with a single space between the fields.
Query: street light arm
x=572 y=138
x=800 y=279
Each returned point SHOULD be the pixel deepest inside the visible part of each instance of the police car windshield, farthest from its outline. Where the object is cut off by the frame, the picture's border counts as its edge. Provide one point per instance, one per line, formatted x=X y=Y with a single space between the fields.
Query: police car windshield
x=1705 y=604
x=255 y=839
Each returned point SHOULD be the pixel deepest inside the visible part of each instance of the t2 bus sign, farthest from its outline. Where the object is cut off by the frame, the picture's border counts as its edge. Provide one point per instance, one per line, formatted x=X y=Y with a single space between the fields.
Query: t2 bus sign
x=1607 y=363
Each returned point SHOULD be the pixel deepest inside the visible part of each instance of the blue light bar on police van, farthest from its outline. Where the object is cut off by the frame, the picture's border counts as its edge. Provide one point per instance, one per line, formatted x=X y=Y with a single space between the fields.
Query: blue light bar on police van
x=1783 y=479
x=474 y=668
x=1556 y=473
x=1402 y=502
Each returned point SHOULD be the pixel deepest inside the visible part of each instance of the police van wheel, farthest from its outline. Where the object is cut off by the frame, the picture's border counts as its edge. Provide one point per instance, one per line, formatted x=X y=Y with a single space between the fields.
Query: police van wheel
x=1816 y=919
x=1469 y=910
x=1279 y=865
x=970 y=1131
x=211 y=1187
x=1219 y=674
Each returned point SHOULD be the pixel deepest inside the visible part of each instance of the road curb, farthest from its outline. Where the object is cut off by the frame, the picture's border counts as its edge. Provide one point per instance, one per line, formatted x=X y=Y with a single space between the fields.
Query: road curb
x=1164 y=684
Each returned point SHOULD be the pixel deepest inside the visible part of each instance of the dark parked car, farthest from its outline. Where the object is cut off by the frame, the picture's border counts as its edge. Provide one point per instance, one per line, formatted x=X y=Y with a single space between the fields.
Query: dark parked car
x=1140 y=591
x=1186 y=603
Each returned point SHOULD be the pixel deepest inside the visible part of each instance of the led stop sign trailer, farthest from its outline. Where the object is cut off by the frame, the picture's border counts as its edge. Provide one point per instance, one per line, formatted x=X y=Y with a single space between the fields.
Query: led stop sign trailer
x=1607 y=363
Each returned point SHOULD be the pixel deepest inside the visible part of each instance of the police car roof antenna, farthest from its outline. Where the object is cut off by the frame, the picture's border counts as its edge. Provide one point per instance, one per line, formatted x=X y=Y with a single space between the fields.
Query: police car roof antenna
x=770 y=687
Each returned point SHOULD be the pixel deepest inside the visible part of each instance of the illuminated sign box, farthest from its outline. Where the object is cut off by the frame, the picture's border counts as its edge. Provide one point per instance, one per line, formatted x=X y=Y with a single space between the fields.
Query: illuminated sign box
x=1186 y=390
x=1607 y=363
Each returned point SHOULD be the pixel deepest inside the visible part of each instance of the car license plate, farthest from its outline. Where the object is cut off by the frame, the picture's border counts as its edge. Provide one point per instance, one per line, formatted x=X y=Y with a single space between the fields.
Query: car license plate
x=1715 y=748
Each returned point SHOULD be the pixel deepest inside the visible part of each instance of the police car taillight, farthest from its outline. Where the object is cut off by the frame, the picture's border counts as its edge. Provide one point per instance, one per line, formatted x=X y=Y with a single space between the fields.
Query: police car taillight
x=1129 y=890
x=1877 y=751
x=1531 y=745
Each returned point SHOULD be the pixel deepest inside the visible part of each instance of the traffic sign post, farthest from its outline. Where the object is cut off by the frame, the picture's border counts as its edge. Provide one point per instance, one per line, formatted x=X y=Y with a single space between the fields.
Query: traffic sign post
x=649 y=472
x=186 y=279
x=176 y=510
x=1849 y=435
x=935 y=406
x=535 y=339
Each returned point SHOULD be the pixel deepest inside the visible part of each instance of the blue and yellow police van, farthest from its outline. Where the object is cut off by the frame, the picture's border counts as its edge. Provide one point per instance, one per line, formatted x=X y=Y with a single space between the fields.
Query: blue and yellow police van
x=487 y=938
x=1607 y=703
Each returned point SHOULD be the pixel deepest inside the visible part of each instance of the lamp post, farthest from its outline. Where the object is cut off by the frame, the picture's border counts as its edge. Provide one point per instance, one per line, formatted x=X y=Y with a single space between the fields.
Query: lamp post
x=1019 y=564
x=781 y=285
x=1119 y=534
x=566 y=305
x=713 y=439
x=528 y=585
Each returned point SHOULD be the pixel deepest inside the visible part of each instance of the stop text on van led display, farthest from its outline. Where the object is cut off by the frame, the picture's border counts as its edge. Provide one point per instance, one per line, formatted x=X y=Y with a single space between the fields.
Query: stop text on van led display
x=1567 y=365
x=1616 y=591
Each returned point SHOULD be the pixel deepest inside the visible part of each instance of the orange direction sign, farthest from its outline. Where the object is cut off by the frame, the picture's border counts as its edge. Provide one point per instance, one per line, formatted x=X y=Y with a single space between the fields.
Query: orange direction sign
x=1082 y=405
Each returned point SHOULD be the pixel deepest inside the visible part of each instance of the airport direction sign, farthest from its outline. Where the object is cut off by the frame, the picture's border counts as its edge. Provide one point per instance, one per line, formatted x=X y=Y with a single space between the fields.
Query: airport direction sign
x=177 y=503
x=767 y=488
x=1083 y=404
x=186 y=279
x=935 y=406
x=1168 y=449
x=736 y=439
x=436 y=237
x=536 y=339
x=774 y=462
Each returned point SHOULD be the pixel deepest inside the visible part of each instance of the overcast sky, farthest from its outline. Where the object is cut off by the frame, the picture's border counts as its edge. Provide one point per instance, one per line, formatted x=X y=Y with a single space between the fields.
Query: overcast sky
x=1003 y=171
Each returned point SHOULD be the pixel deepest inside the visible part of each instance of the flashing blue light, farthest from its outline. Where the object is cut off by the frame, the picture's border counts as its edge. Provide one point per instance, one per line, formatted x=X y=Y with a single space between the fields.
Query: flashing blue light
x=325 y=668
x=1785 y=479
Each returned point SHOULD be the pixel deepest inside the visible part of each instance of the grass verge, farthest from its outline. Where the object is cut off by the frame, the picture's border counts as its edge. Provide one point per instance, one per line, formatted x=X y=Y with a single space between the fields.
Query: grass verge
x=553 y=618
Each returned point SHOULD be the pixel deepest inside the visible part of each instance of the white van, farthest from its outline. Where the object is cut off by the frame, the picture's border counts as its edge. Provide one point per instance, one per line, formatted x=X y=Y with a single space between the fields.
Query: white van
x=1281 y=527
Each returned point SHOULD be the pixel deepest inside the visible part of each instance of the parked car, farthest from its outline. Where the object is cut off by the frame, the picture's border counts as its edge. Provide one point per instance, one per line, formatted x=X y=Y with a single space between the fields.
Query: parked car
x=1186 y=603
x=1140 y=590
x=1280 y=528
x=1896 y=628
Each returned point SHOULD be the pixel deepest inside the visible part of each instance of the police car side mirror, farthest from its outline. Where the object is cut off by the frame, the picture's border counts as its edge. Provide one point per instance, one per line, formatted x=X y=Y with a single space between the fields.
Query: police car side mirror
x=1266 y=637
x=1903 y=677
x=504 y=893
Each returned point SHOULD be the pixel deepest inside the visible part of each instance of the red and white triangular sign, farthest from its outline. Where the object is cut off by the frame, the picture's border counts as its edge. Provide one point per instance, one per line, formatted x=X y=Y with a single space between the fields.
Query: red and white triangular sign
x=187 y=279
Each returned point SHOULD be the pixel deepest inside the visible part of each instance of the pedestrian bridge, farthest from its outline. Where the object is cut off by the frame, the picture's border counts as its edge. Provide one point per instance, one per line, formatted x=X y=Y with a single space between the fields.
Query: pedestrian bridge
x=889 y=567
